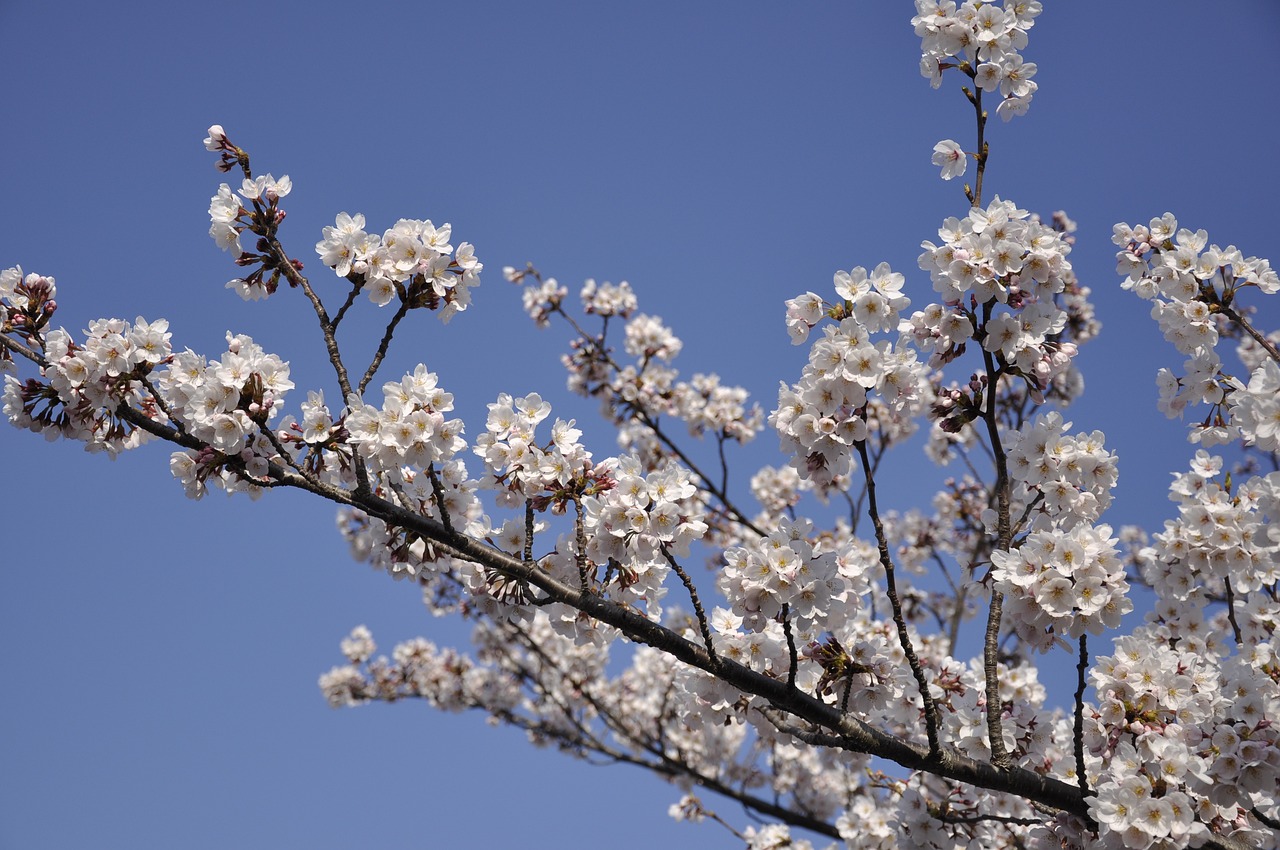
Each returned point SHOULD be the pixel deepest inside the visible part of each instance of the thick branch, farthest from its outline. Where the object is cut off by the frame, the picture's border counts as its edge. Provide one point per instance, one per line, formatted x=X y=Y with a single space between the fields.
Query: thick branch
x=1004 y=538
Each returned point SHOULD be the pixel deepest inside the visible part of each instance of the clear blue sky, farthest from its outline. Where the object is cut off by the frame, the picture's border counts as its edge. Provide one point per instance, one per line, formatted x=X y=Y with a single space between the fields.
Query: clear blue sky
x=161 y=654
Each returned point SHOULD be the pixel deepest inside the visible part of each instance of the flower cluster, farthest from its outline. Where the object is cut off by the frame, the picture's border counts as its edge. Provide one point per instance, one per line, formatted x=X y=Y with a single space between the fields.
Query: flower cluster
x=520 y=469
x=410 y=429
x=543 y=299
x=647 y=388
x=225 y=404
x=447 y=679
x=1255 y=407
x=1062 y=480
x=983 y=39
x=229 y=218
x=1222 y=533
x=641 y=515
x=1192 y=284
x=1065 y=578
x=27 y=302
x=606 y=299
x=413 y=261
x=85 y=383
x=1184 y=744
x=819 y=588
x=1004 y=254
x=1062 y=582
x=821 y=420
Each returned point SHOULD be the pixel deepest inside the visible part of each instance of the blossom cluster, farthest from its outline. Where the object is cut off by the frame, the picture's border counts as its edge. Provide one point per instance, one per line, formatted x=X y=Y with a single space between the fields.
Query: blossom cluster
x=1062 y=583
x=27 y=301
x=607 y=299
x=410 y=428
x=999 y=254
x=1065 y=578
x=519 y=468
x=1062 y=480
x=226 y=213
x=1191 y=283
x=819 y=588
x=821 y=420
x=1184 y=743
x=447 y=679
x=85 y=383
x=650 y=386
x=640 y=521
x=1222 y=533
x=229 y=218
x=413 y=260
x=983 y=38
x=227 y=404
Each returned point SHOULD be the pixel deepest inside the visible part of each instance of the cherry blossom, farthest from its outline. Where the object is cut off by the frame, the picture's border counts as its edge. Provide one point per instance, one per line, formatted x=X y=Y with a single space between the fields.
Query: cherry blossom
x=847 y=672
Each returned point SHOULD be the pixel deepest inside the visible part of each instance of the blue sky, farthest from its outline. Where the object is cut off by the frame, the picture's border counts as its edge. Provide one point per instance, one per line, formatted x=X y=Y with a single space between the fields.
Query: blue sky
x=162 y=654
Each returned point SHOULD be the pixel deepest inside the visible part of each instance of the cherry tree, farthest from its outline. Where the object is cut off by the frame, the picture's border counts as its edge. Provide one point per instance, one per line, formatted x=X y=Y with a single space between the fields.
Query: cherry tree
x=844 y=673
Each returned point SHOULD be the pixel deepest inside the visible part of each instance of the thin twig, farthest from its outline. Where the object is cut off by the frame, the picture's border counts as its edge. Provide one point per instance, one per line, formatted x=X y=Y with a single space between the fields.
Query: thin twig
x=1081 y=668
x=581 y=537
x=1231 y=612
x=528 y=531
x=296 y=278
x=942 y=814
x=904 y=637
x=383 y=346
x=703 y=625
x=723 y=497
x=791 y=644
x=274 y=440
x=164 y=408
x=1258 y=337
x=357 y=283
x=437 y=490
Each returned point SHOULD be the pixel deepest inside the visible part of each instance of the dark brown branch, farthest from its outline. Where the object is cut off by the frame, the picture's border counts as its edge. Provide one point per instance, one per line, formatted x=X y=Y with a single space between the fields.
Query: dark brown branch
x=1078 y=734
x=703 y=626
x=437 y=490
x=1258 y=337
x=1264 y=820
x=383 y=346
x=930 y=710
x=791 y=645
x=580 y=536
x=1004 y=538
x=357 y=283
